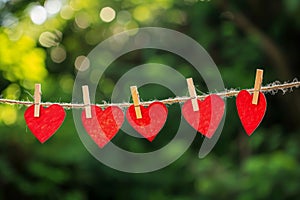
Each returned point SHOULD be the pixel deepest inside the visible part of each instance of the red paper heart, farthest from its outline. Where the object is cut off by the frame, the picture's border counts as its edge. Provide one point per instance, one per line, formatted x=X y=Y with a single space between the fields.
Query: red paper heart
x=104 y=124
x=152 y=121
x=44 y=126
x=209 y=116
x=250 y=114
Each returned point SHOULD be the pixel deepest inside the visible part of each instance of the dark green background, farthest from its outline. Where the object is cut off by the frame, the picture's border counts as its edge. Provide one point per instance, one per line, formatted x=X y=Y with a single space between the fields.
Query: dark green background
x=240 y=36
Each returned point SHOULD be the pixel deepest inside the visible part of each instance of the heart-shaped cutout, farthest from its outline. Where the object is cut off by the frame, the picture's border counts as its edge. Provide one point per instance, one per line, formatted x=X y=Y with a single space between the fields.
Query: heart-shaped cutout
x=44 y=126
x=250 y=114
x=104 y=124
x=209 y=116
x=152 y=121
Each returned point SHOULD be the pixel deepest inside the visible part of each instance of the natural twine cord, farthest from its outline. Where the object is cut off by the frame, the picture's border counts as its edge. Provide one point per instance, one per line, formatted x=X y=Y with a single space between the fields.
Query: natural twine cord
x=272 y=88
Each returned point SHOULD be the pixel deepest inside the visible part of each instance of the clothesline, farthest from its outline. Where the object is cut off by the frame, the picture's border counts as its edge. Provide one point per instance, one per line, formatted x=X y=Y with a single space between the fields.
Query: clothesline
x=269 y=88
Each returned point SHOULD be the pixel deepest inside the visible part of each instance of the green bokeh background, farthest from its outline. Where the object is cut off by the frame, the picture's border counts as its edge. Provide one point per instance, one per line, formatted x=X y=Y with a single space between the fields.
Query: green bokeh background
x=240 y=36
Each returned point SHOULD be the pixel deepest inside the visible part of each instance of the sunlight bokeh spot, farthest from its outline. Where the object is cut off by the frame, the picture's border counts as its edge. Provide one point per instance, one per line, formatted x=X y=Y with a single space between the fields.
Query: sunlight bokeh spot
x=123 y=17
x=82 y=20
x=78 y=4
x=107 y=14
x=52 y=6
x=82 y=63
x=38 y=15
x=48 y=39
x=66 y=12
x=58 y=54
x=141 y=13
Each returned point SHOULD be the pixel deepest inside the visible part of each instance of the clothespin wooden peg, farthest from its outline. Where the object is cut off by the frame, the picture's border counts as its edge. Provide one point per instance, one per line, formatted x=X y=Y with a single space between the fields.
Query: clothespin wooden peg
x=193 y=94
x=37 y=99
x=257 y=85
x=136 y=101
x=87 y=101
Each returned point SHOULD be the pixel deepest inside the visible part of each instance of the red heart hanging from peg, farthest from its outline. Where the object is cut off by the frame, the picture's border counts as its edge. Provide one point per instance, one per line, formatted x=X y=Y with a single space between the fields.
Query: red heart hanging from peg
x=152 y=121
x=250 y=115
x=104 y=124
x=209 y=116
x=44 y=126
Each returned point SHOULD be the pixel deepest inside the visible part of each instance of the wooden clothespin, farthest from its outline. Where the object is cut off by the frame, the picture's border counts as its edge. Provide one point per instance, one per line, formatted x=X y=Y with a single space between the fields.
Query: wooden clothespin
x=37 y=99
x=257 y=85
x=136 y=101
x=193 y=94
x=86 y=101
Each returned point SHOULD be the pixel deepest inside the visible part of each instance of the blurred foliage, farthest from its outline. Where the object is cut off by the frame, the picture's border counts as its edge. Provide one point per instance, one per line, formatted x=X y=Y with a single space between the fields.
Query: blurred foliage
x=44 y=42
